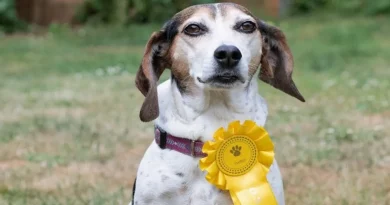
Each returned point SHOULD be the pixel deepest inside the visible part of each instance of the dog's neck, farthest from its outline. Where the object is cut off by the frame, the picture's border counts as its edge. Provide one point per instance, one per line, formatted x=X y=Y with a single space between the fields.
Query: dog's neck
x=192 y=105
x=202 y=112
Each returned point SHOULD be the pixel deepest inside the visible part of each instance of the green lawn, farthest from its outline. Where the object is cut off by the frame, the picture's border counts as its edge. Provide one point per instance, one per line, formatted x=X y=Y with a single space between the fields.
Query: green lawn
x=70 y=133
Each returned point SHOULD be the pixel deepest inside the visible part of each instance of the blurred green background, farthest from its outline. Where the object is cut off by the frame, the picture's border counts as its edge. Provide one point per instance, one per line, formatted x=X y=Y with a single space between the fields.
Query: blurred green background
x=69 y=126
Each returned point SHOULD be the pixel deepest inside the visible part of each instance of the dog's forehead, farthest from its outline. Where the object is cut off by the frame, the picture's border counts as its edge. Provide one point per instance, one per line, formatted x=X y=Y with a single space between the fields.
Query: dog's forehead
x=197 y=11
x=210 y=11
x=231 y=9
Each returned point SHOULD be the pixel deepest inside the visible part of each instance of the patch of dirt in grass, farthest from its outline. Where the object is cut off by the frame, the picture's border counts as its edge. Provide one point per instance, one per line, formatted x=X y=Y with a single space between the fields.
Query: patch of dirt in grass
x=12 y=150
x=373 y=121
x=12 y=164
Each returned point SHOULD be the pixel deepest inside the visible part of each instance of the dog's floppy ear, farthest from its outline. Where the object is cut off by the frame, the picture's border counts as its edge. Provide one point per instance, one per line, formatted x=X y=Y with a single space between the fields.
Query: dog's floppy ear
x=277 y=61
x=153 y=64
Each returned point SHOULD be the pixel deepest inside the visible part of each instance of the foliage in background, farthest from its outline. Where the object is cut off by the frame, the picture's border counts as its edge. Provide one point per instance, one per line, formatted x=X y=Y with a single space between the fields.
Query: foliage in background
x=144 y=11
x=95 y=11
x=369 y=7
x=304 y=6
x=9 y=21
x=126 y=11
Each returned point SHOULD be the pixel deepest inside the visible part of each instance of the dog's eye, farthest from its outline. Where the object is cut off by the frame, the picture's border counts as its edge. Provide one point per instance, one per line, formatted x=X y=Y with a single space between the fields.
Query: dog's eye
x=194 y=30
x=247 y=27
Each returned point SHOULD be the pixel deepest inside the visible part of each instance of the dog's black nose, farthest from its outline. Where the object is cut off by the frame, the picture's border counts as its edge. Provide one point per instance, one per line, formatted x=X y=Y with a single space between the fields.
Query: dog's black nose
x=227 y=56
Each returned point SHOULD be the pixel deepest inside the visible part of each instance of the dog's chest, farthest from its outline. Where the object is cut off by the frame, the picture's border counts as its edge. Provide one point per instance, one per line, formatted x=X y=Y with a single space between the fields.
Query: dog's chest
x=201 y=192
x=167 y=177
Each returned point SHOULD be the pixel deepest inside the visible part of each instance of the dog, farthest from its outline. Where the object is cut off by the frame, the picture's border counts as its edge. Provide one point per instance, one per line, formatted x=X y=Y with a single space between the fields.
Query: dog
x=214 y=52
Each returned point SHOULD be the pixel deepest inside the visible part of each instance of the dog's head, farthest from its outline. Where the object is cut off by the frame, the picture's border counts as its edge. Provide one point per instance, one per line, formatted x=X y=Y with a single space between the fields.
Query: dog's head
x=214 y=46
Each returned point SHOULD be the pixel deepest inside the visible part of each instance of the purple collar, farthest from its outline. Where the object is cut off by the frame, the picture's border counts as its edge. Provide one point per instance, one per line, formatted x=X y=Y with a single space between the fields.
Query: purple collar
x=185 y=146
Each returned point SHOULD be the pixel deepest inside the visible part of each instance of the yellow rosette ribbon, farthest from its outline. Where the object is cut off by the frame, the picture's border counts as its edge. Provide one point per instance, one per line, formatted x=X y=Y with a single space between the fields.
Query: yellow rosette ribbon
x=238 y=160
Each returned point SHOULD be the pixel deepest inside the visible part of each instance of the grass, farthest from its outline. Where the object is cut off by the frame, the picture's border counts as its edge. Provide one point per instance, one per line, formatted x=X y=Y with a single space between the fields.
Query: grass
x=70 y=133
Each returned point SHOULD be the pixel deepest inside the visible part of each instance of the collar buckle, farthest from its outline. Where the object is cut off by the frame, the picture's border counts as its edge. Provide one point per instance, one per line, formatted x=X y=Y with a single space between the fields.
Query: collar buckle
x=192 y=148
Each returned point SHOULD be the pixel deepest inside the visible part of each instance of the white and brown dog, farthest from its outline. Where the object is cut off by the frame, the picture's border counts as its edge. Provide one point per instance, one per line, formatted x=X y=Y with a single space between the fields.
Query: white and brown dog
x=214 y=52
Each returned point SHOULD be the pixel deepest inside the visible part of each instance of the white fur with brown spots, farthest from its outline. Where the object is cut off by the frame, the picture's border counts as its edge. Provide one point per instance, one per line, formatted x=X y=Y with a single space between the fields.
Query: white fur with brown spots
x=207 y=90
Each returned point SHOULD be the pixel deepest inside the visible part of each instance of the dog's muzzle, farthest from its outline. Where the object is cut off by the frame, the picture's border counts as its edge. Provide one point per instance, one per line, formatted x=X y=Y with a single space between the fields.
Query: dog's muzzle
x=226 y=72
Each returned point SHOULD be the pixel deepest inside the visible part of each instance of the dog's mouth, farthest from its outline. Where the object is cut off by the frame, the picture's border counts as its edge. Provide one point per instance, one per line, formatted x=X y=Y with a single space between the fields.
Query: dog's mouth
x=223 y=80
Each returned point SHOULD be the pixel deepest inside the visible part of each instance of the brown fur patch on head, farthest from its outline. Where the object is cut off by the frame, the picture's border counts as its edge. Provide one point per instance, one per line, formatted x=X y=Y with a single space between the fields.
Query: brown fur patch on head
x=190 y=11
x=180 y=65
x=181 y=71
x=225 y=7
x=254 y=65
